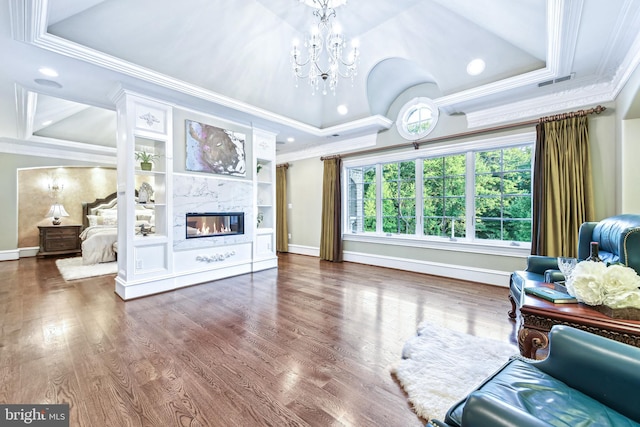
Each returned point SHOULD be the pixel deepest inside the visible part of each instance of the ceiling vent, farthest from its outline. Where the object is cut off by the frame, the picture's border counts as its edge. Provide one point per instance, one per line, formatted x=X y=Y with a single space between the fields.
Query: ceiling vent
x=558 y=80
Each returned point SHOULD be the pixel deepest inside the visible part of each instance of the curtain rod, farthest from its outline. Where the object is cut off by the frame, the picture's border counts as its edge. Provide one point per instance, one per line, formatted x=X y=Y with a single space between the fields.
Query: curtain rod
x=337 y=156
x=283 y=165
x=416 y=144
x=597 y=110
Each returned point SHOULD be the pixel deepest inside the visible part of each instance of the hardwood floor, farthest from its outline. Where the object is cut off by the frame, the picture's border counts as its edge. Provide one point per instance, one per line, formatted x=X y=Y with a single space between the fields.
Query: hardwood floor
x=309 y=343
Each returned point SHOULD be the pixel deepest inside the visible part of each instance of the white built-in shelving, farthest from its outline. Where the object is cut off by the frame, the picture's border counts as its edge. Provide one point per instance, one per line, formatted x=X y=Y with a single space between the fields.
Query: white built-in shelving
x=144 y=253
x=264 y=251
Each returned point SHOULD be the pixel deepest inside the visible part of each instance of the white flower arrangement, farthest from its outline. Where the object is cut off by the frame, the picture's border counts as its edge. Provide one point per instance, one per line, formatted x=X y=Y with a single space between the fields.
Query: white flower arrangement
x=616 y=286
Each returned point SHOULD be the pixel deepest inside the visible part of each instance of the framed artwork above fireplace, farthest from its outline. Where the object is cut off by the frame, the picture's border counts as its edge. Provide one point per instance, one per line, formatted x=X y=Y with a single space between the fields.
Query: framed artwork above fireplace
x=214 y=150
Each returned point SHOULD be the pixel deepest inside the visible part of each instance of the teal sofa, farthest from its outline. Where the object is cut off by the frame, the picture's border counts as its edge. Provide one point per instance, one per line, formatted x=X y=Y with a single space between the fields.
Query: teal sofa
x=618 y=240
x=585 y=381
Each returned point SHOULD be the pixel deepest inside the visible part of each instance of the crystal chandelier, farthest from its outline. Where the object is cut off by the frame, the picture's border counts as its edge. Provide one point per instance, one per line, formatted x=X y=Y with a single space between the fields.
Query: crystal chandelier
x=325 y=57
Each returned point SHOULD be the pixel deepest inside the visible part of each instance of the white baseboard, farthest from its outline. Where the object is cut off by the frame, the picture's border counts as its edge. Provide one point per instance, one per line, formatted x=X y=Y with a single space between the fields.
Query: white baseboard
x=473 y=274
x=29 y=252
x=15 y=254
x=141 y=288
x=304 y=250
x=10 y=255
x=264 y=264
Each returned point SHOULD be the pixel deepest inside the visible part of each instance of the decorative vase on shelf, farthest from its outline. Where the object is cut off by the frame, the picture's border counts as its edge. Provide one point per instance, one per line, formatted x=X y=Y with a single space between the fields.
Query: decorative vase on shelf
x=146 y=166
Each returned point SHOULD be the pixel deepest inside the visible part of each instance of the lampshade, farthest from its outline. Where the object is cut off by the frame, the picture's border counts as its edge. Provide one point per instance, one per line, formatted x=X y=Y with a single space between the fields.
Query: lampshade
x=56 y=211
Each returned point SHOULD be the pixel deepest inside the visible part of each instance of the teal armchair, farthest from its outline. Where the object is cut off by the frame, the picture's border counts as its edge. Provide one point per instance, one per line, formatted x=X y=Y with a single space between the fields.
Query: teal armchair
x=618 y=240
x=586 y=380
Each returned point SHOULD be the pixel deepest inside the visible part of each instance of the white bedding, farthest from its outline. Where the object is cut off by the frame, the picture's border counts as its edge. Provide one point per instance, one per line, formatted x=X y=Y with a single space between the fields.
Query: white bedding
x=98 y=244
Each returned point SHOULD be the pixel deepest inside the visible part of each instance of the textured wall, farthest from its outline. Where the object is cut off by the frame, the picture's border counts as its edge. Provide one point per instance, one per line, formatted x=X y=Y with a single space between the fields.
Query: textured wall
x=81 y=184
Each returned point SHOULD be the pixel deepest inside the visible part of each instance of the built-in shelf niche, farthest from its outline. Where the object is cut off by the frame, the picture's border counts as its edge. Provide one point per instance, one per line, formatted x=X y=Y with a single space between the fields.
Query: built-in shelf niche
x=156 y=178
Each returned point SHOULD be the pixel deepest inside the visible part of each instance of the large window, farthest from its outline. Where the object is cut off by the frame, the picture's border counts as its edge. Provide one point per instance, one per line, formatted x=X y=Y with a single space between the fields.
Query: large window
x=399 y=198
x=444 y=195
x=503 y=194
x=481 y=193
x=362 y=199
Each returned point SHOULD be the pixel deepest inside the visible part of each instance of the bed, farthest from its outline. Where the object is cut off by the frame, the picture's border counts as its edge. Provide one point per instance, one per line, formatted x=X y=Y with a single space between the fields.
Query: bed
x=99 y=234
x=100 y=228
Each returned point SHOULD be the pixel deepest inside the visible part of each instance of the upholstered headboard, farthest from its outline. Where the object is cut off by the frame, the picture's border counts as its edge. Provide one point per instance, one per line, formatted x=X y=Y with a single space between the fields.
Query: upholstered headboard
x=91 y=208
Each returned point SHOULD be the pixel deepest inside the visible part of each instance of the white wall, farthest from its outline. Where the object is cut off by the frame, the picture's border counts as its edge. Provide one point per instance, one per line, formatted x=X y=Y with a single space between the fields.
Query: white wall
x=630 y=172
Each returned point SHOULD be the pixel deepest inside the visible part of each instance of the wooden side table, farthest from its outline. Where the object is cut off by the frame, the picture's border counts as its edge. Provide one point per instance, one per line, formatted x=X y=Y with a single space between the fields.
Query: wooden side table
x=59 y=240
x=537 y=316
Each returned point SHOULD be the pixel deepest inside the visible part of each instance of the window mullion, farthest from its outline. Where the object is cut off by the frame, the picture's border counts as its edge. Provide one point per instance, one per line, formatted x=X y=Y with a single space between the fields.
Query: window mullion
x=419 y=197
x=470 y=199
x=379 y=198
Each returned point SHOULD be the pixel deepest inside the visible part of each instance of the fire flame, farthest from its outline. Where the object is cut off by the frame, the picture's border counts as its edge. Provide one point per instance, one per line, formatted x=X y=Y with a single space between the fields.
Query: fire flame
x=217 y=229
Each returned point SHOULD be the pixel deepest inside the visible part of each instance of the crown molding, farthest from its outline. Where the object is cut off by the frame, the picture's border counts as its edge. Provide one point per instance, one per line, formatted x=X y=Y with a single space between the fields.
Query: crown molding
x=589 y=92
x=26 y=102
x=31 y=27
x=367 y=125
x=577 y=97
x=563 y=28
x=28 y=18
x=626 y=68
x=29 y=24
x=59 y=149
x=542 y=105
x=625 y=28
x=563 y=18
x=347 y=145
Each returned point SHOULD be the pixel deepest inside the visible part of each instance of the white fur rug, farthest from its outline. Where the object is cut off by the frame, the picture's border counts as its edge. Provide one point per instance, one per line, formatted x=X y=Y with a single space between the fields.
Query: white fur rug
x=73 y=269
x=441 y=366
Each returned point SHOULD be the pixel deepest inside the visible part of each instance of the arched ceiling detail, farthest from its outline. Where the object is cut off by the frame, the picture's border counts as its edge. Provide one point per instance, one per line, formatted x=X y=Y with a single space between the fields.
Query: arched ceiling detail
x=389 y=78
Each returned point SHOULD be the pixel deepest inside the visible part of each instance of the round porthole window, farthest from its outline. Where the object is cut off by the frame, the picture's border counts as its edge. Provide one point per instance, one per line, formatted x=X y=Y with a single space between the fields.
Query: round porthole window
x=417 y=118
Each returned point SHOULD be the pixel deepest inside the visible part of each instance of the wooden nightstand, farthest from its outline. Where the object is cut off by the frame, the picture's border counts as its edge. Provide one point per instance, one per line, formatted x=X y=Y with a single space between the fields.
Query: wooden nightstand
x=59 y=240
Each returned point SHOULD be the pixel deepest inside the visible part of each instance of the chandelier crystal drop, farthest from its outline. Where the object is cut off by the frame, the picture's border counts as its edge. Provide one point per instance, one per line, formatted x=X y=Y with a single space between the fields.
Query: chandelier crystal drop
x=325 y=56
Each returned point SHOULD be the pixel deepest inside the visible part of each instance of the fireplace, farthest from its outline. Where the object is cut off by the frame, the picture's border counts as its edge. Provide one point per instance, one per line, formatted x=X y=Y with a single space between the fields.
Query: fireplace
x=211 y=224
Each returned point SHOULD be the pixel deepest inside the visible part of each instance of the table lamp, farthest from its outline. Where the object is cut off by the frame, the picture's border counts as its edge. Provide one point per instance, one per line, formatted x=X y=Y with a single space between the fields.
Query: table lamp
x=56 y=211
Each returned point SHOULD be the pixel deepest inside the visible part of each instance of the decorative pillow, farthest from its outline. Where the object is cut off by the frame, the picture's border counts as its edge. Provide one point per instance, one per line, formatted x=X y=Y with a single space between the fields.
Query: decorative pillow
x=108 y=212
x=110 y=220
x=93 y=220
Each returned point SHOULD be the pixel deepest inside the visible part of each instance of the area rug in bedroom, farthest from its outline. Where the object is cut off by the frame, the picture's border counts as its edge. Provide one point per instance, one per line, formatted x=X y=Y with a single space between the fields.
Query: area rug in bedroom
x=73 y=269
x=441 y=366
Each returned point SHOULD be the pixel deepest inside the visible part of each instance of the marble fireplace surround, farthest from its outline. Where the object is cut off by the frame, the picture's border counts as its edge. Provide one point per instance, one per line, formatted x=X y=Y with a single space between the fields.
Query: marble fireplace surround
x=199 y=193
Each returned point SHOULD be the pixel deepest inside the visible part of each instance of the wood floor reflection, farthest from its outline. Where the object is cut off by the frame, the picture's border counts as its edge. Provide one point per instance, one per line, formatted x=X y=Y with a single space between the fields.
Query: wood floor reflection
x=309 y=343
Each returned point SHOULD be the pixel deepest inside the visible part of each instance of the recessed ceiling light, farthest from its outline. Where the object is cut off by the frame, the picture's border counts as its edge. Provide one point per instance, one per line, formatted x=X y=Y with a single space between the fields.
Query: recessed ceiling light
x=342 y=109
x=291 y=139
x=49 y=72
x=475 y=67
x=48 y=83
x=47 y=122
